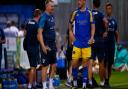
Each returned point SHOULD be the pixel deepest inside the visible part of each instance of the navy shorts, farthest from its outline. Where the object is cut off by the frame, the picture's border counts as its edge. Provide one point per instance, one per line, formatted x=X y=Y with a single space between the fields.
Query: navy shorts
x=109 y=52
x=98 y=49
x=33 y=56
x=50 y=58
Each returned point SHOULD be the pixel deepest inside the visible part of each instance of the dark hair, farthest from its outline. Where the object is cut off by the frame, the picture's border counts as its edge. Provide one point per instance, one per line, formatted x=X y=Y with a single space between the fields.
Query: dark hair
x=13 y=23
x=37 y=12
x=96 y=3
x=62 y=47
x=8 y=23
x=108 y=4
x=22 y=26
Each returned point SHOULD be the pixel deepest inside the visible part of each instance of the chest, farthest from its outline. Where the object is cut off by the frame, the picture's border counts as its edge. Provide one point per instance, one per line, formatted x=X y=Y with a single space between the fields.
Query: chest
x=82 y=18
x=112 y=25
x=50 y=22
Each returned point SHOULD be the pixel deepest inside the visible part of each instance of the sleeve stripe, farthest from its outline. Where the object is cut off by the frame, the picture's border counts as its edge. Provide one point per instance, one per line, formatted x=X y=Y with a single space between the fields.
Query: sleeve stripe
x=91 y=17
x=73 y=16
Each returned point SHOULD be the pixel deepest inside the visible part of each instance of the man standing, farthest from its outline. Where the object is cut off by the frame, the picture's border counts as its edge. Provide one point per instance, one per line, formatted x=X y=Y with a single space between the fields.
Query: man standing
x=82 y=35
x=32 y=46
x=46 y=37
x=98 y=47
x=112 y=37
x=2 y=40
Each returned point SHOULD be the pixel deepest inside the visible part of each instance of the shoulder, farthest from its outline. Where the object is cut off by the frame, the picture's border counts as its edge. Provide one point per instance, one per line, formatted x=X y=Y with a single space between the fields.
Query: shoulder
x=97 y=12
x=44 y=15
x=73 y=13
x=113 y=19
x=90 y=12
x=14 y=28
x=31 y=21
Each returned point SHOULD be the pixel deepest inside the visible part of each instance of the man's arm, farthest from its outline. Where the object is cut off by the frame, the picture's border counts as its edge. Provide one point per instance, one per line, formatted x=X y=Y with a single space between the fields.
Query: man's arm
x=106 y=27
x=105 y=23
x=117 y=34
x=92 y=22
x=71 y=35
x=70 y=27
x=41 y=40
x=117 y=37
x=91 y=41
x=40 y=35
x=117 y=40
x=92 y=30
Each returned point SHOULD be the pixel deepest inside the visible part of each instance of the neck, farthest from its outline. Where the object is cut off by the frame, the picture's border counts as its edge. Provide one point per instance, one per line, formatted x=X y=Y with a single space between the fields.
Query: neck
x=36 y=19
x=95 y=8
x=83 y=8
x=48 y=12
x=109 y=15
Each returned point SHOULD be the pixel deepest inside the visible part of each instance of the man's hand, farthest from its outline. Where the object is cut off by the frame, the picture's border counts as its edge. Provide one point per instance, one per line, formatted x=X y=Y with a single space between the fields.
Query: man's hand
x=105 y=34
x=91 y=41
x=71 y=37
x=45 y=50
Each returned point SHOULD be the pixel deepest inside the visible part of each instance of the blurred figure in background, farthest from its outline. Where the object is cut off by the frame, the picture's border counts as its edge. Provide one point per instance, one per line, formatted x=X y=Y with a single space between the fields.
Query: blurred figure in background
x=6 y=30
x=58 y=40
x=2 y=41
x=32 y=47
x=11 y=33
x=21 y=56
x=11 y=30
x=112 y=37
x=21 y=32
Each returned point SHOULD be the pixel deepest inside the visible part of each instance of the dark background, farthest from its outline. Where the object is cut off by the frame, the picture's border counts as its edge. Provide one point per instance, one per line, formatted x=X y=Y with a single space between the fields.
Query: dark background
x=39 y=3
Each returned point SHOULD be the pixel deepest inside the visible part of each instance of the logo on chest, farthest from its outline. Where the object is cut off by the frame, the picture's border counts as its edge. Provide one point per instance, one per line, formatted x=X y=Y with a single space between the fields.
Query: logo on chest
x=51 y=20
x=81 y=19
x=82 y=22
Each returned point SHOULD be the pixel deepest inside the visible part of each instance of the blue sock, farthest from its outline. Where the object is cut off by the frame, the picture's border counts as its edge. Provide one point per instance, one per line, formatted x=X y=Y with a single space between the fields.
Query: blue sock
x=75 y=73
x=85 y=74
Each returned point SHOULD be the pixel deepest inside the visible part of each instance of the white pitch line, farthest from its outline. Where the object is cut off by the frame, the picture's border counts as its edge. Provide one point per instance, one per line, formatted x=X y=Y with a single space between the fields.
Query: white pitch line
x=121 y=84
